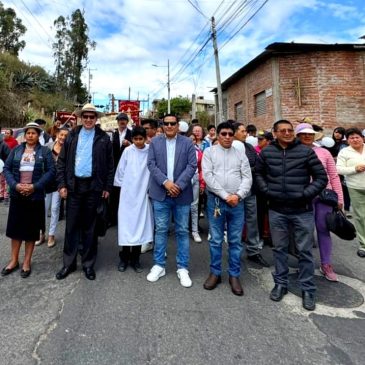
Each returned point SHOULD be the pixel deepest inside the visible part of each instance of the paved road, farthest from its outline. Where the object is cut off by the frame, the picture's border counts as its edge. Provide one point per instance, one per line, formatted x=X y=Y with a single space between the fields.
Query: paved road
x=120 y=318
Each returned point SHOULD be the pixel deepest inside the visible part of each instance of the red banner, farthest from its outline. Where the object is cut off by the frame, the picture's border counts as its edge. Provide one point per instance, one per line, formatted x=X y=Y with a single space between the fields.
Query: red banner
x=65 y=117
x=131 y=108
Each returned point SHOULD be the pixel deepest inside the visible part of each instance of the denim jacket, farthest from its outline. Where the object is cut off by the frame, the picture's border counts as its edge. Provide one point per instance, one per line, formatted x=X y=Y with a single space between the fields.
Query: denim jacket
x=43 y=174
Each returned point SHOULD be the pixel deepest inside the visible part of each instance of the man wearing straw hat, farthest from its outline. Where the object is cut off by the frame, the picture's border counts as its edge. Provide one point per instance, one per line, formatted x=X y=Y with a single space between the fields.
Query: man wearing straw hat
x=85 y=176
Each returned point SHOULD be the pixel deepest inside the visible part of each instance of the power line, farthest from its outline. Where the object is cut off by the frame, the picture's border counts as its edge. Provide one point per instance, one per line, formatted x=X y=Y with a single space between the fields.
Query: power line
x=244 y=24
x=197 y=9
x=36 y=19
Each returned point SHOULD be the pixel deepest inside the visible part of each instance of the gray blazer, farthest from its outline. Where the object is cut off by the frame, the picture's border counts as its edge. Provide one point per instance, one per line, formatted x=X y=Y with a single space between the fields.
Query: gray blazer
x=184 y=168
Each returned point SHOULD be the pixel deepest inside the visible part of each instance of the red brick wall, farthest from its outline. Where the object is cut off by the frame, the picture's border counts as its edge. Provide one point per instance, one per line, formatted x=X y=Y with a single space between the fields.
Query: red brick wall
x=332 y=89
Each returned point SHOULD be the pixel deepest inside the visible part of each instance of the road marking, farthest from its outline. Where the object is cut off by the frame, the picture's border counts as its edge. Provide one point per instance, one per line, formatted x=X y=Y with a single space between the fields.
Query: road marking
x=295 y=303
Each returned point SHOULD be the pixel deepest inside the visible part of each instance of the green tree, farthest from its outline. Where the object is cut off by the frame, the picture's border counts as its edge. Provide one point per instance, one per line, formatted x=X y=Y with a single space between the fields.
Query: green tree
x=179 y=106
x=11 y=30
x=71 y=51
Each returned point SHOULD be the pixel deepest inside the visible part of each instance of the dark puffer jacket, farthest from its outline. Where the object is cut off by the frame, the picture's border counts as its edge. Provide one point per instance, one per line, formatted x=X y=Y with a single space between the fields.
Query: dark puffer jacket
x=290 y=178
x=102 y=162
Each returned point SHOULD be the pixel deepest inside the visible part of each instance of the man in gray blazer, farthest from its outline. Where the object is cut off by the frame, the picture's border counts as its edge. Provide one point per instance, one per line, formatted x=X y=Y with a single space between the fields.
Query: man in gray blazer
x=172 y=164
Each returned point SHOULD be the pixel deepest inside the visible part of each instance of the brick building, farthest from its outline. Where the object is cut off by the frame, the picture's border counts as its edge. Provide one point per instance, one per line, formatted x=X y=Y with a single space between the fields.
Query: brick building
x=325 y=83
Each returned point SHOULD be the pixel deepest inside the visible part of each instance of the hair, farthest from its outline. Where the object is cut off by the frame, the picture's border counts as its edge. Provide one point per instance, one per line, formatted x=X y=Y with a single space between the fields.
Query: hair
x=237 y=125
x=62 y=129
x=351 y=131
x=317 y=128
x=194 y=121
x=251 y=128
x=225 y=125
x=340 y=130
x=139 y=131
x=231 y=121
x=281 y=121
x=40 y=121
x=10 y=130
x=151 y=122
x=170 y=115
x=210 y=126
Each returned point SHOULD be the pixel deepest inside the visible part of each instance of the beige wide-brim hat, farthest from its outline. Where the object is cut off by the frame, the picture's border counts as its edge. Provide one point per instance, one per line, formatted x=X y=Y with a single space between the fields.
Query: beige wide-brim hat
x=89 y=108
x=32 y=125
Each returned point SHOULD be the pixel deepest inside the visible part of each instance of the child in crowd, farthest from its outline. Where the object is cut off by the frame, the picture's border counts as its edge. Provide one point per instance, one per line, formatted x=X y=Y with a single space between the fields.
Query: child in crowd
x=135 y=219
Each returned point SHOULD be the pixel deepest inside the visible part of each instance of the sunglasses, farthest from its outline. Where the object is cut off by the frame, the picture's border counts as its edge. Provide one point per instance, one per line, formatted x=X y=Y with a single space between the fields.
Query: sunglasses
x=225 y=134
x=91 y=117
x=172 y=124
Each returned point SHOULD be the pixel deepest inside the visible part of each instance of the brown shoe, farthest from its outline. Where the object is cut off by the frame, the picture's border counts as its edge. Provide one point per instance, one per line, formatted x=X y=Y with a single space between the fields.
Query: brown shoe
x=235 y=286
x=212 y=281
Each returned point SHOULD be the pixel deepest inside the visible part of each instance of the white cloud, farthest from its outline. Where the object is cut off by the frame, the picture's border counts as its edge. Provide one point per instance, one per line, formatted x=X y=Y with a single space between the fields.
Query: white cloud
x=132 y=35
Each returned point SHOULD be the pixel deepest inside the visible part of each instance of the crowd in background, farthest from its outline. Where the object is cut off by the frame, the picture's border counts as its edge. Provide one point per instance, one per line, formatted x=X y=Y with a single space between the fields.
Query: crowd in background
x=253 y=186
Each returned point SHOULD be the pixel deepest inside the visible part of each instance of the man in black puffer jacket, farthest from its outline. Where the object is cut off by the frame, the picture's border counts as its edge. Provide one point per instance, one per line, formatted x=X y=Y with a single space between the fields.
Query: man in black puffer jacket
x=291 y=175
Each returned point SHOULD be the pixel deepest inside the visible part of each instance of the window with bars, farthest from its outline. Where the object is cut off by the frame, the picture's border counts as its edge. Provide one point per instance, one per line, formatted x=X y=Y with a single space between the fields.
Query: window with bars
x=260 y=104
x=238 y=112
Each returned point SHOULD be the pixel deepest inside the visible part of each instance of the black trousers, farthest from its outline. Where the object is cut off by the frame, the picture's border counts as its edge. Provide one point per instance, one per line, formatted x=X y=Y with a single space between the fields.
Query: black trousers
x=114 y=205
x=80 y=232
x=130 y=254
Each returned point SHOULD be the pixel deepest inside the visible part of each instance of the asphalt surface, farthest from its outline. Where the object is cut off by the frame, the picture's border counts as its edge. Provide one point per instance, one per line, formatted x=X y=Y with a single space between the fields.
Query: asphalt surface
x=121 y=318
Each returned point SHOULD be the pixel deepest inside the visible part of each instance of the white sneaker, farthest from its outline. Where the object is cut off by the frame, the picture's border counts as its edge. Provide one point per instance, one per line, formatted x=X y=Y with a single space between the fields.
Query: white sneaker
x=156 y=273
x=225 y=239
x=185 y=280
x=209 y=237
x=196 y=237
x=147 y=247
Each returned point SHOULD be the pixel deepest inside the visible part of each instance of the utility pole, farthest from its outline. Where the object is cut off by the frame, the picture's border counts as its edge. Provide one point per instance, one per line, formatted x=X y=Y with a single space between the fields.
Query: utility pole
x=129 y=93
x=168 y=88
x=219 y=118
x=113 y=100
x=90 y=76
x=193 y=106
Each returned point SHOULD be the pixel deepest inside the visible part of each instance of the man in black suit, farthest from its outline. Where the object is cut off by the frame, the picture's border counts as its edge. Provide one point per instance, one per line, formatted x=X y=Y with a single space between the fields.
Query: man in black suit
x=121 y=139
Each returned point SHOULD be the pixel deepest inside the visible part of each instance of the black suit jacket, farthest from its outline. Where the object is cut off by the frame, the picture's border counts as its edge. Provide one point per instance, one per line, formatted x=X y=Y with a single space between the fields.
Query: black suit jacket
x=117 y=149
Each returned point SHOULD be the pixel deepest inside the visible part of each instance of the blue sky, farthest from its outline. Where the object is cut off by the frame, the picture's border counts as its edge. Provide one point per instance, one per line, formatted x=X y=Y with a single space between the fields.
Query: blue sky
x=131 y=35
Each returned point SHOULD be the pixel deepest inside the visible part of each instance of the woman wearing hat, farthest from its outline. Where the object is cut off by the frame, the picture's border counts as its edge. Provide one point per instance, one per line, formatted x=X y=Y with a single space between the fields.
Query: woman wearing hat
x=28 y=169
x=306 y=134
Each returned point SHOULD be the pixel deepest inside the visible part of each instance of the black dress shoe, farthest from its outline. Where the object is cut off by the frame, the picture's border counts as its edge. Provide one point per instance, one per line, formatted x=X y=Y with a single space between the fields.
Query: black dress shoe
x=64 y=272
x=309 y=301
x=361 y=253
x=5 y=271
x=278 y=292
x=122 y=266
x=25 y=273
x=137 y=267
x=258 y=259
x=89 y=273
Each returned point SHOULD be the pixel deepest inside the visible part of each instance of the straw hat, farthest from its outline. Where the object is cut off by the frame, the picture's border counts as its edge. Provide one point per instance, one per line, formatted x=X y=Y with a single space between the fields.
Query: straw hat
x=89 y=108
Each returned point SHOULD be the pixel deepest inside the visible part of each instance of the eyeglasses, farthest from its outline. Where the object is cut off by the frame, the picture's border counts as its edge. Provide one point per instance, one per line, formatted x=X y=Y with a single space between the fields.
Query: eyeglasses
x=283 y=131
x=172 y=124
x=225 y=134
x=87 y=116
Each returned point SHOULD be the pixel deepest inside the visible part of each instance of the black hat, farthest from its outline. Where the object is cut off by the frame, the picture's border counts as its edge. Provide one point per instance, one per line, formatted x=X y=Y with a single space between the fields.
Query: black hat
x=122 y=116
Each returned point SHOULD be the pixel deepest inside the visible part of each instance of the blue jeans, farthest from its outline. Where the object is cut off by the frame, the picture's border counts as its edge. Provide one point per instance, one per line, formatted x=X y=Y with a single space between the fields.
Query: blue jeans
x=303 y=226
x=234 y=218
x=162 y=213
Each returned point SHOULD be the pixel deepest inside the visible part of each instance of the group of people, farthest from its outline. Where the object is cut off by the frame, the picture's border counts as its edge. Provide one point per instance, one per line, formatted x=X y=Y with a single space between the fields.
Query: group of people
x=151 y=178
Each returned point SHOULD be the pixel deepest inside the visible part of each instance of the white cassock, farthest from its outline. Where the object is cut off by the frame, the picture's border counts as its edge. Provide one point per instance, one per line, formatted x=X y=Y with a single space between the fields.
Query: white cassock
x=135 y=217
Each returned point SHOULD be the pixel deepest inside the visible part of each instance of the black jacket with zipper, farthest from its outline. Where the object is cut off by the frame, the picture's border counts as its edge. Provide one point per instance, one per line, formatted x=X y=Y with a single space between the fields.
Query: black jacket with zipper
x=291 y=177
